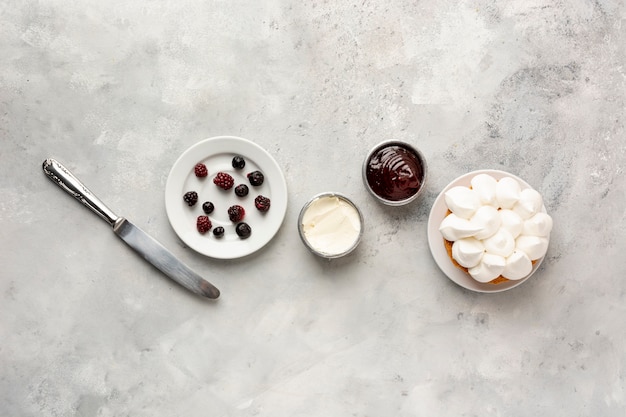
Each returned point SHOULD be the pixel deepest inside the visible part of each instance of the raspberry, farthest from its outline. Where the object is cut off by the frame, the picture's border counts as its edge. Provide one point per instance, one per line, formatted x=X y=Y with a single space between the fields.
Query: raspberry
x=203 y=224
x=262 y=203
x=200 y=170
x=236 y=213
x=208 y=207
x=243 y=230
x=241 y=190
x=256 y=178
x=218 y=231
x=191 y=198
x=224 y=180
x=239 y=162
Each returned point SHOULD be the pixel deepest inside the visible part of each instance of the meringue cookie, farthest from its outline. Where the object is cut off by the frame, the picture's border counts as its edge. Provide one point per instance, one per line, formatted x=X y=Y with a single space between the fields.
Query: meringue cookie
x=454 y=227
x=462 y=201
x=529 y=204
x=538 y=225
x=489 y=268
x=468 y=251
x=512 y=222
x=534 y=246
x=507 y=192
x=501 y=243
x=517 y=266
x=488 y=219
x=485 y=186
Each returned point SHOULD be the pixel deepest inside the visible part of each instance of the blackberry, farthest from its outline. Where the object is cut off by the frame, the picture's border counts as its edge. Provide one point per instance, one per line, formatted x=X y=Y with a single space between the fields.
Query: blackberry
x=218 y=231
x=203 y=224
x=191 y=198
x=200 y=170
x=208 y=207
x=224 y=180
x=262 y=203
x=241 y=190
x=239 y=162
x=236 y=213
x=256 y=178
x=243 y=230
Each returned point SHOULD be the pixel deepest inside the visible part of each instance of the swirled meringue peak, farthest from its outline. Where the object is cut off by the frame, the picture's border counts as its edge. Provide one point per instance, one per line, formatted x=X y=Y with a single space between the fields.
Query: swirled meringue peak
x=454 y=228
x=529 y=203
x=512 y=222
x=489 y=221
x=468 y=251
x=517 y=266
x=489 y=268
x=497 y=229
x=501 y=243
x=485 y=186
x=507 y=192
x=462 y=201
x=534 y=246
x=538 y=225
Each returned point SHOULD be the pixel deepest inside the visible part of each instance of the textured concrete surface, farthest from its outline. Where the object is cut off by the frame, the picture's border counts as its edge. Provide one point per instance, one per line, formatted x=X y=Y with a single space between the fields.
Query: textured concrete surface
x=118 y=90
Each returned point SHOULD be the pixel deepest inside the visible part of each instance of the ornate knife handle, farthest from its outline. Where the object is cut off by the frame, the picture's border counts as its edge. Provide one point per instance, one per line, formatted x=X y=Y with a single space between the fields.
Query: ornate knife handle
x=72 y=185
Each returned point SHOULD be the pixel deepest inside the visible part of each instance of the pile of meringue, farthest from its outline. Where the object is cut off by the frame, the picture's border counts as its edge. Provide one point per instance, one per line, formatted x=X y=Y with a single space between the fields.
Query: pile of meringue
x=497 y=228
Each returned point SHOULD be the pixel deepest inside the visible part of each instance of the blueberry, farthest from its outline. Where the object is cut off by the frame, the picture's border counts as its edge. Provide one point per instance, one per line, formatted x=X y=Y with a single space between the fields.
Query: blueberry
x=218 y=231
x=241 y=190
x=208 y=207
x=243 y=230
x=239 y=162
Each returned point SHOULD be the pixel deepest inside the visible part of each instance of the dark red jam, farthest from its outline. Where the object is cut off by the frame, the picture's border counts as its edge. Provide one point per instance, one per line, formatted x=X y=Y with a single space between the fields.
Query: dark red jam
x=394 y=172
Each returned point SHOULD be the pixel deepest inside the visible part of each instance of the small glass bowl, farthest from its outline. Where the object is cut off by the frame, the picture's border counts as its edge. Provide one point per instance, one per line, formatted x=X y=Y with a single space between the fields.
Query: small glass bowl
x=416 y=157
x=320 y=251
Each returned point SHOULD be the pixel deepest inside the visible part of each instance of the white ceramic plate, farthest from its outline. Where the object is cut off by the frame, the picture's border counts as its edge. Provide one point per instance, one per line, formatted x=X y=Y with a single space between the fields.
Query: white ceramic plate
x=217 y=154
x=438 y=250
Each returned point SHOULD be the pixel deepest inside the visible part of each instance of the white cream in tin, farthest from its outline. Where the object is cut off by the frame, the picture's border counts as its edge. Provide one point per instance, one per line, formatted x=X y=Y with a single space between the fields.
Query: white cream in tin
x=331 y=225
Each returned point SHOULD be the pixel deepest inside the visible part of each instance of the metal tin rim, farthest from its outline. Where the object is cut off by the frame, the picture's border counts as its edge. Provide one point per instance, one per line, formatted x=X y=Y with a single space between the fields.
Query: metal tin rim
x=408 y=146
x=301 y=231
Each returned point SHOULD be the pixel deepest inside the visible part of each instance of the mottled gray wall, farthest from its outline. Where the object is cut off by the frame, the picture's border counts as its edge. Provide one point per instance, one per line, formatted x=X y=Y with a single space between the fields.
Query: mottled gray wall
x=117 y=90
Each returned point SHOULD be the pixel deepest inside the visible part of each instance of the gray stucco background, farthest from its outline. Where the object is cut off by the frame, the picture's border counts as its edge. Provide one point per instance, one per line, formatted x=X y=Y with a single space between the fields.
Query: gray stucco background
x=118 y=90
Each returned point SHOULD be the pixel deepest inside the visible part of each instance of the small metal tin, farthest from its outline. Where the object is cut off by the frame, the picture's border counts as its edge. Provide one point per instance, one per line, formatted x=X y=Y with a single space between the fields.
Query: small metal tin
x=420 y=159
x=318 y=251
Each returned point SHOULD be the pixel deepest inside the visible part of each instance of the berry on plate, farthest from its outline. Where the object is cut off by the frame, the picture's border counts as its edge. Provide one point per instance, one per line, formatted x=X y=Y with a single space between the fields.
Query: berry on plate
x=200 y=170
x=203 y=224
x=256 y=178
x=191 y=198
x=236 y=213
x=218 y=231
x=208 y=207
x=262 y=203
x=241 y=190
x=239 y=162
x=243 y=230
x=224 y=180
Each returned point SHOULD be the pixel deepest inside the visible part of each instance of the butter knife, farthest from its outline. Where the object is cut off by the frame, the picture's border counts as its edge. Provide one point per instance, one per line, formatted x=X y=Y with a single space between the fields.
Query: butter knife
x=140 y=241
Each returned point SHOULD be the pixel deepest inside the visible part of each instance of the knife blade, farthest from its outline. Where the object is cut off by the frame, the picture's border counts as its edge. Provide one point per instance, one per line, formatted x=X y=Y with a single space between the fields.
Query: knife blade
x=145 y=245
